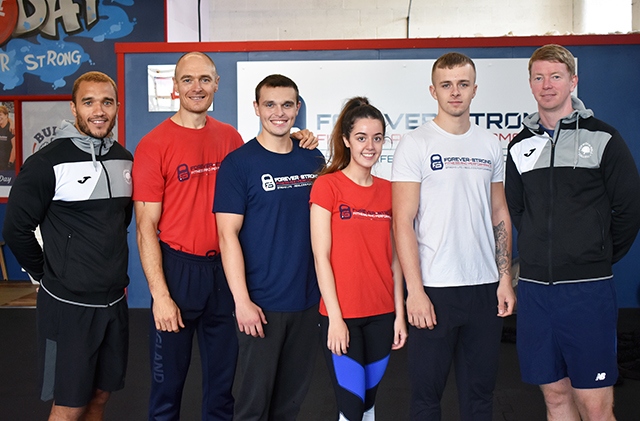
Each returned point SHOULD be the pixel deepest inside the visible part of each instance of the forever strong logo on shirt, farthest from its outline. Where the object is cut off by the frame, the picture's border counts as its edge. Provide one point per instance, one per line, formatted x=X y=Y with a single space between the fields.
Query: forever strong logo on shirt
x=271 y=183
x=346 y=212
x=460 y=162
x=185 y=172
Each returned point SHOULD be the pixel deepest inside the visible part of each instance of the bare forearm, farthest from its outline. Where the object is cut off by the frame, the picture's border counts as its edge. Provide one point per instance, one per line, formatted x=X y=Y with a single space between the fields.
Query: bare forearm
x=501 y=222
x=327 y=285
x=407 y=249
x=234 y=269
x=398 y=286
x=249 y=316
x=147 y=219
x=502 y=235
x=151 y=259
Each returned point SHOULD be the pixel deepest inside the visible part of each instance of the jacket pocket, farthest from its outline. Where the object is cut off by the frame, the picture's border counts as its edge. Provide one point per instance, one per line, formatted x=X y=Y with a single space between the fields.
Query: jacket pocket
x=67 y=253
x=583 y=238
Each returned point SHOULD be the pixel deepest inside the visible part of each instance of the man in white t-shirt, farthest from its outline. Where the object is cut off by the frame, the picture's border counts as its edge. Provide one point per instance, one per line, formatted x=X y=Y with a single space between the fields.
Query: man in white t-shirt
x=453 y=236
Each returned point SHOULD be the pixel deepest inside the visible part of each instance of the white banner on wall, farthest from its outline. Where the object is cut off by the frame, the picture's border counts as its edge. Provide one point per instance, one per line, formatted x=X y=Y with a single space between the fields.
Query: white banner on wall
x=162 y=97
x=40 y=121
x=399 y=88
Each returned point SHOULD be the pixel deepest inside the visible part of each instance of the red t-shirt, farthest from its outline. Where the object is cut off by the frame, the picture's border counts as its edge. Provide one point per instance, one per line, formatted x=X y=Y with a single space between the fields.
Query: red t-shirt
x=177 y=166
x=360 y=243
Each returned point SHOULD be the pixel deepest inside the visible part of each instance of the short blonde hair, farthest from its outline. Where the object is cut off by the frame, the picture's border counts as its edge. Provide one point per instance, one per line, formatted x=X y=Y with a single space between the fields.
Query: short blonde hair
x=451 y=60
x=556 y=53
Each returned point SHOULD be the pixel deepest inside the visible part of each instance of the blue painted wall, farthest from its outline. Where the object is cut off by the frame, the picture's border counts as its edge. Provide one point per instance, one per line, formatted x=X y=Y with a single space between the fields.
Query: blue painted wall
x=607 y=84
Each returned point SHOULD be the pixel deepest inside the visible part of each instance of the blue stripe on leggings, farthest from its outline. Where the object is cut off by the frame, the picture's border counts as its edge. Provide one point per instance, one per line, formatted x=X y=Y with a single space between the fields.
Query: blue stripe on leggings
x=350 y=374
x=375 y=371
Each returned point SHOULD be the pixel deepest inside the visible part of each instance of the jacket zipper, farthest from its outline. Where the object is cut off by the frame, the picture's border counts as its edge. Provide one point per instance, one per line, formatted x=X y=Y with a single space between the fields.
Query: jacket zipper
x=551 y=203
x=106 y=173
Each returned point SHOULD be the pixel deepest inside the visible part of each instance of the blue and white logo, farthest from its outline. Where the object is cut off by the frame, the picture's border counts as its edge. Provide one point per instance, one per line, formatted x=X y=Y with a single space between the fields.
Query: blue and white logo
x=436 y=162
x=268 y=184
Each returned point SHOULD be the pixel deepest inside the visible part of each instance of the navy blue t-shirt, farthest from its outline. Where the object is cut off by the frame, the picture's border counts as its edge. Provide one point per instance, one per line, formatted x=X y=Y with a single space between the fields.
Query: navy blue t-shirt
x=272 y=191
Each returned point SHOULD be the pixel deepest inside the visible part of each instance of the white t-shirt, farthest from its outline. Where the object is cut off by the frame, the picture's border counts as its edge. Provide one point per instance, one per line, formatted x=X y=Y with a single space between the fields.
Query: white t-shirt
x=453 y=225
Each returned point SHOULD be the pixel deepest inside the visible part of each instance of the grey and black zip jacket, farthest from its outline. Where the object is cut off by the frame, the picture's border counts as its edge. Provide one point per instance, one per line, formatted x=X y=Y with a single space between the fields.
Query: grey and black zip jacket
x=78 y=189
x=574 y=198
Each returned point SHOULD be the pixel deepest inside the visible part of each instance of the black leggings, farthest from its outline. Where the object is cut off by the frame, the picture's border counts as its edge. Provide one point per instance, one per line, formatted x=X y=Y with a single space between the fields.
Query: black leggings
x=357 y=374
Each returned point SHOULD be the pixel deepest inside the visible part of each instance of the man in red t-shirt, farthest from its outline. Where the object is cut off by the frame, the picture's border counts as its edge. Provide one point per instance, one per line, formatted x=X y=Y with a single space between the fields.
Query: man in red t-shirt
x=174 y=174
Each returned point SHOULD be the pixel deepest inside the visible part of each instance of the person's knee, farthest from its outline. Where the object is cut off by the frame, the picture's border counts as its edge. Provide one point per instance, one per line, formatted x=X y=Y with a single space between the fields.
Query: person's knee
x=65 y=413
x=558 y=393
x=100 y=397
x=595 y=404
x=597 y=412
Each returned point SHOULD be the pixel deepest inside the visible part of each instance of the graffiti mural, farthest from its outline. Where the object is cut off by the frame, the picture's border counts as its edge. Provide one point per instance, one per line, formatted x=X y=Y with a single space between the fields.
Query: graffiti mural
x=45 y=43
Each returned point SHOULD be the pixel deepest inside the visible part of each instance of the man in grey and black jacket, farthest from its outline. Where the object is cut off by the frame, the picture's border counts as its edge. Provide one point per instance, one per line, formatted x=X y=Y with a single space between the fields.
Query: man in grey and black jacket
x=78 y=190
x=573 y=192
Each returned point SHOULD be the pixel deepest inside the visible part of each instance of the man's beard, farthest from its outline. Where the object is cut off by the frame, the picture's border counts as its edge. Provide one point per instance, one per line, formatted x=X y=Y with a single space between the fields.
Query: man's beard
x=84 y=128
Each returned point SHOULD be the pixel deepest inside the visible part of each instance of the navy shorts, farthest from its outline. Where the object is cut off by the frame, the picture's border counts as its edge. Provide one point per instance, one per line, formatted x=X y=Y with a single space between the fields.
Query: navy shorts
x=568 y=330
x=80 y=349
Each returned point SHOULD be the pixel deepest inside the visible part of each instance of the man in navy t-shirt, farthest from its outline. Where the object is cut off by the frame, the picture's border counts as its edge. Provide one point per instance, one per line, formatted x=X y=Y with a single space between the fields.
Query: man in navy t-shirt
x=262 y=211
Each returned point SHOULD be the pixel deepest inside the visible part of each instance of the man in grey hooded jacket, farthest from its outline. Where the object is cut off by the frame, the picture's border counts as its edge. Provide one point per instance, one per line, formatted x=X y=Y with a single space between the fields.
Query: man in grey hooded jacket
x=573 y=192
x=78 y=190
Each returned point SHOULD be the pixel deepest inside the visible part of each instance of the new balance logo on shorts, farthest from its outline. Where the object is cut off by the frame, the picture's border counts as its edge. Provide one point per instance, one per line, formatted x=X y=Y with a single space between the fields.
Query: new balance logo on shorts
x=601 y=376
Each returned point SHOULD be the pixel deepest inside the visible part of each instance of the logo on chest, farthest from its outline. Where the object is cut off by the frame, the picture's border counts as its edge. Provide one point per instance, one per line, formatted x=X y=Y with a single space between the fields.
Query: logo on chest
x=271 y=183
x=267 y=182
x=585 y=151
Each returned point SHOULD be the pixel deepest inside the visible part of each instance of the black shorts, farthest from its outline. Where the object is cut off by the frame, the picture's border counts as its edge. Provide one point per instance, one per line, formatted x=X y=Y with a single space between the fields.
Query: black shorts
x=80 y=349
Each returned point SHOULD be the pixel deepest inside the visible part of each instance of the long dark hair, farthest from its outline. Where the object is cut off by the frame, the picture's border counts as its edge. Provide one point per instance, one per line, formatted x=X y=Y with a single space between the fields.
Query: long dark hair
x=354 y=109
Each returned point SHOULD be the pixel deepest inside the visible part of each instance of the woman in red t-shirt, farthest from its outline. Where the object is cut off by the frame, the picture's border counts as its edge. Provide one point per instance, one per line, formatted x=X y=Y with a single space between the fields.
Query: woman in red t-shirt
x=359 y=275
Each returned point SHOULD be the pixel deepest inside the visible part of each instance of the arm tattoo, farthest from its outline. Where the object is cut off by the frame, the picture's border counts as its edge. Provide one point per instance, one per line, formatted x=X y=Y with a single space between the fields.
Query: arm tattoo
x=503 y=258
